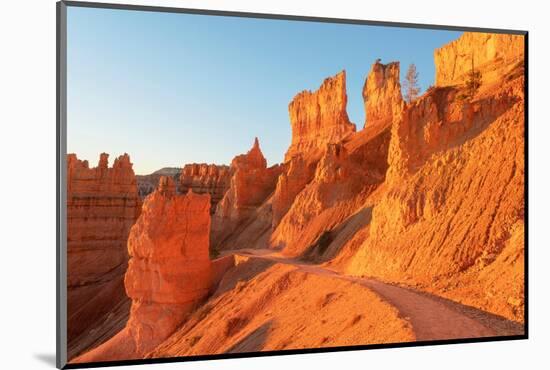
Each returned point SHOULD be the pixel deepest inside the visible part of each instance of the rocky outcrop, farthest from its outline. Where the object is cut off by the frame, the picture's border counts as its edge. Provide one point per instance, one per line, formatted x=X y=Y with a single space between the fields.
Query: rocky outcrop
x=319 y=118
x=169 y=271
x=313 y=196
x=494 y=55
x=382 y=95
x=251 y=185
x=295 y=176
x=452 y=218
x=440 y=121
x=339 y=187
x=102 y=206
x=383 y=105
x=206 y=179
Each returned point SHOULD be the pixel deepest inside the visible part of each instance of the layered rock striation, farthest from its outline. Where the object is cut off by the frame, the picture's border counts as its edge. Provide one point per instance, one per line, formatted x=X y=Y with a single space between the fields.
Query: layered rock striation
x=102 y=206
x=319 y=118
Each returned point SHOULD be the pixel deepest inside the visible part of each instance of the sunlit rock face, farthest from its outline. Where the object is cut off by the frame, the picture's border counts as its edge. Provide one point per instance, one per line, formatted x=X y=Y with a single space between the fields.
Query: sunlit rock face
x=316 y=193
x=297 y=173
x=452 y=218
x=494 y=55
x=382 y=95
x=169 y=272
x=102 y=206
x=169 y=269
x=319 y=118
x=251 y=185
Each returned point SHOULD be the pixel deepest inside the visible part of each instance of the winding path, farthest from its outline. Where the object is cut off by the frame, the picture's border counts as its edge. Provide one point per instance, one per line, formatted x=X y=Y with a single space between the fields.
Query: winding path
x=432 y=317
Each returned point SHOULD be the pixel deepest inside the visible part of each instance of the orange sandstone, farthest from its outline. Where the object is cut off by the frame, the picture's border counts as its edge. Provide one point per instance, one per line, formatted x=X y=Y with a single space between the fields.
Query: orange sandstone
x=451 y=220
x=251 y=185
x=494 y=55
x=102 y=206
x=169 y=271
x=206 y=179
x=382 y=95
x=319 y=118
x=264 y=307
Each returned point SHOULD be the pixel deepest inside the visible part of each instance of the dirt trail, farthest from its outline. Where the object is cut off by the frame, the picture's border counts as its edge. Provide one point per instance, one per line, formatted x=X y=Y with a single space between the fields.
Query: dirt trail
x=432 y=317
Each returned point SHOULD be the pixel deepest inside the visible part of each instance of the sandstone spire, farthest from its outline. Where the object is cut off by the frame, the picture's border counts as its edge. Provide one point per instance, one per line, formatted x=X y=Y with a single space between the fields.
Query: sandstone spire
x=382 y=95
x=318 y=118
x=251 y=184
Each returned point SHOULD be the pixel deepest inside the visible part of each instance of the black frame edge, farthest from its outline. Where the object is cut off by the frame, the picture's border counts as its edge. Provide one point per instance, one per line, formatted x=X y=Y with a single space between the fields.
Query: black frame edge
x=61 y=158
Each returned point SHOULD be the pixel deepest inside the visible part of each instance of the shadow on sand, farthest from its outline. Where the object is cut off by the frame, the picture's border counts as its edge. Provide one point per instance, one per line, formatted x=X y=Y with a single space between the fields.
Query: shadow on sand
x=254 y=341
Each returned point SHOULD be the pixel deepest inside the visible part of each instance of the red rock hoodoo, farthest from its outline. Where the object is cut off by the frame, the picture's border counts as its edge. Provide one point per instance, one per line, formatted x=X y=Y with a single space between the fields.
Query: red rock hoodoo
x=319 y=118
x=251 y=185
x=169 y=271
x=102 y=206
x=382 y=95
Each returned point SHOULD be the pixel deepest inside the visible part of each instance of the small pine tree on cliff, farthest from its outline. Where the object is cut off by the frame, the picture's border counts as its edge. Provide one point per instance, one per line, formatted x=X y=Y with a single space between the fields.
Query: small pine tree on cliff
x=473 y=81
x=411 y=84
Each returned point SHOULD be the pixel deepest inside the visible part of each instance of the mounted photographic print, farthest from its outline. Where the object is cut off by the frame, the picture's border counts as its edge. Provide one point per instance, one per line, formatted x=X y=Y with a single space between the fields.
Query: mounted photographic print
x=236 y=185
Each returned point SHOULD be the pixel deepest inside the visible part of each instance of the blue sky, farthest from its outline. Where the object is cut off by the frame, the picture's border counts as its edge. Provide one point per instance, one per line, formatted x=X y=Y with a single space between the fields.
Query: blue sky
x=171 y=89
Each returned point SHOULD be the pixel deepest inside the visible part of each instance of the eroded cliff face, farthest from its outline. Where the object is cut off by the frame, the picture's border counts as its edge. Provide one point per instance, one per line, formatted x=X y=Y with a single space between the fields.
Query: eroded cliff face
x=452 y=218
x=494 y=55
x=102 y=206
x=251 y=185
x=206 y=179
x=169 y=271
x=382 y=95
x=310 y=205
x=319 y=118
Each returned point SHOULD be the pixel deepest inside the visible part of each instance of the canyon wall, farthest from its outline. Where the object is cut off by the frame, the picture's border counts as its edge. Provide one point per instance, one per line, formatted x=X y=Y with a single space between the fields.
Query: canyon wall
x=169 y=271
x=320 y=117
x=102 y=206
x=494 y=55
x=206 y=179
x=451 y=220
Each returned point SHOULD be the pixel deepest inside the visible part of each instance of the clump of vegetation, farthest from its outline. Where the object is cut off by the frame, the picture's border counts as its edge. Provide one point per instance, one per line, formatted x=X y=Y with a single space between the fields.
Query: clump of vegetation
x=472 y=84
